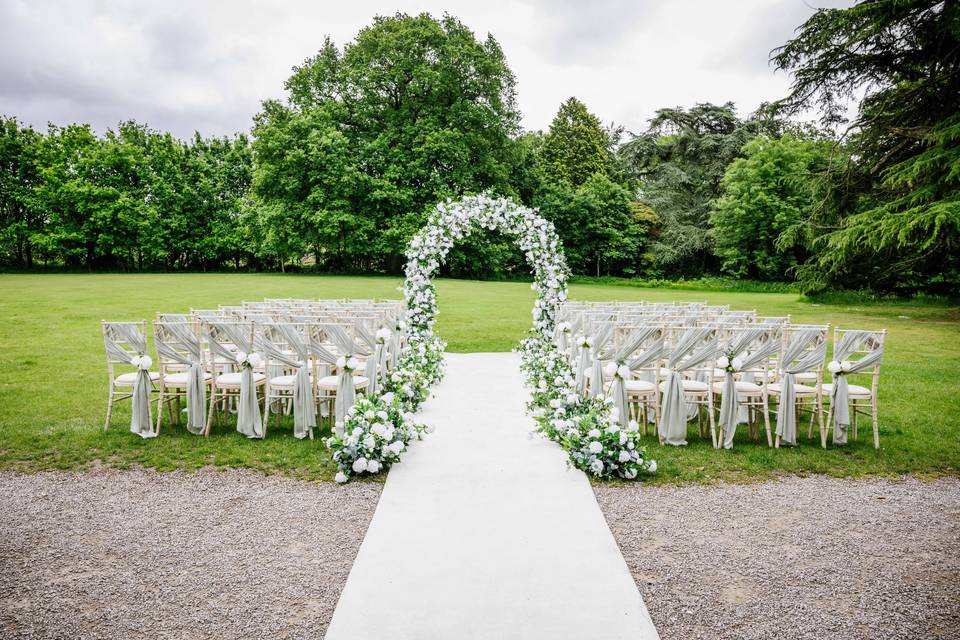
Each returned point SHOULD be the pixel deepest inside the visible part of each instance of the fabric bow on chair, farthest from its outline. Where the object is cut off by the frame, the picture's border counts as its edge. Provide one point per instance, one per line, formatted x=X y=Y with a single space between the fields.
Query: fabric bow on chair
x=740 y=350
x=840 y=391
x=141 y=419
x=249 y=420
x=624 y=364
x=695 y=347
x=304 y=405
x=794 y=362
x=196 y=384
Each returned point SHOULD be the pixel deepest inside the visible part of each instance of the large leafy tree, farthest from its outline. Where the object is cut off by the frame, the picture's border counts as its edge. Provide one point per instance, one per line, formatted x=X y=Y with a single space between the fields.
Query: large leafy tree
x=901 y=228
x=678 y=163
x=20 y=219
x=575 y=148
x=766 y=196
x=414 y=110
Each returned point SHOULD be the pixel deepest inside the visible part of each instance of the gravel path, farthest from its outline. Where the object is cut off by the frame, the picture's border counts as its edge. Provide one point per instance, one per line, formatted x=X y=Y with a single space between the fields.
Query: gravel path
x=139 y=554
x=795 y=558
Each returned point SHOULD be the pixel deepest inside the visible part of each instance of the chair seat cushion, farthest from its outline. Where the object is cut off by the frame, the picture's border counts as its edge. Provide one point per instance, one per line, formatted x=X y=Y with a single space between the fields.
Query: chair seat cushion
x=127 y=379
x=690 y=386
x=799 y=389
x=329 y=383
x=233 y=379
x=806 y=376
x=743 y=388
x=638 y=387
x=854 y=390
x=180 y=379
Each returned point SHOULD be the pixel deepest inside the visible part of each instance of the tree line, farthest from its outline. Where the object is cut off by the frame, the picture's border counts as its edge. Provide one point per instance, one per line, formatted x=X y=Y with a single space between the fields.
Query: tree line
x=338 y=175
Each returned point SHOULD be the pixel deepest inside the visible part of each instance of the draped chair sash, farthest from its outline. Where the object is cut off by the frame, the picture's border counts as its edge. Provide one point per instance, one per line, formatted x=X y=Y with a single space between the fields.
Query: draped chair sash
x=618 y=387
x=752 y=346
x=298 y=358
x=796 y=359
x=141 y=418
x=696 y=346
x=190 y=355
x=346 y=389
x=850 y=343
x=249 y=420
x=600 y=339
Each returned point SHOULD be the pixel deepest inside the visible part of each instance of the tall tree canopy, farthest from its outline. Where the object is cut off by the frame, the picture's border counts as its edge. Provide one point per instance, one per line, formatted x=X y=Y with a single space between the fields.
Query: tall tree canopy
x=678 y=163
x=575 y=148
x=414 y=110
x=903 y=176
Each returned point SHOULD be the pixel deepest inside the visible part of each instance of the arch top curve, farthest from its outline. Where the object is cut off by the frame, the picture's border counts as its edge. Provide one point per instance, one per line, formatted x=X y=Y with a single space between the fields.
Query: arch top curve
x=453 y=220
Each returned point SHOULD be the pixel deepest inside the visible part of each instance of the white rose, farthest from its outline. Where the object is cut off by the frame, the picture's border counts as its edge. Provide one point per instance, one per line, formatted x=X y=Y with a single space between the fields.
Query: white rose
x=846 y=366
x=597 y=466
x=538 y=412
x=341 y=362
x=387 y=397
x=135 y=361
x=610 y=370
x=632 y=426
x=360 y=465
x=340 y=478
x=624 y=456
x=833 y=367
x=379 y=429
x=369 y=442
x=555 y=403
x=388 y=432
x=353 y=364
x=737 y=363
x=623 y=371
x=572 y=398
x=396 y=446
x=373 y=466
x=652 y=466
x=338 y=428
x=630 y=474
x=593 y=433
x=241 y=356
x=596 y=447
x=723 y=362
x=255 y=360
x=145 y=362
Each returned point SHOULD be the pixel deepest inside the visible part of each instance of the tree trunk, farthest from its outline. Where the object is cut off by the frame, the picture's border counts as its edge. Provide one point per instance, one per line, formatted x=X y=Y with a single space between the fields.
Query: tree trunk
x=29 y=254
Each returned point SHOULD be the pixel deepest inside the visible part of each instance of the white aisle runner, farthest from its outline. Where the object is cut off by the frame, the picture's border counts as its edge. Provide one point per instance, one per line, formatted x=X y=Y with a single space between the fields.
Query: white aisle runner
x=484 y=533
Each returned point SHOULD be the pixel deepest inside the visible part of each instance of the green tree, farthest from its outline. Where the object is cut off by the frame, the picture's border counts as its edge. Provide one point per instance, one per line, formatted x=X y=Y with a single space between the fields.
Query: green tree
x=20 y=219
x=678 y=164
x=767 y=194
x=413 y=111
x=575 y=148
x=899 y=224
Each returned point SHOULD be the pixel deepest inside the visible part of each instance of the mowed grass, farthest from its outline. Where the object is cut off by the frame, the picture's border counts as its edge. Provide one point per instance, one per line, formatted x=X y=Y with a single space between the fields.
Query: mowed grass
x=53 y=374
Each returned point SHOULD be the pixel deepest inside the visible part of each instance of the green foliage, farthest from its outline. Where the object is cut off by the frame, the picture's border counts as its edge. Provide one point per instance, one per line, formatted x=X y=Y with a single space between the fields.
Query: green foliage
x=575 y=147
x=767 y=195
x=20 y=218
x=895 y=228
x=413 y=111
x=678 y=164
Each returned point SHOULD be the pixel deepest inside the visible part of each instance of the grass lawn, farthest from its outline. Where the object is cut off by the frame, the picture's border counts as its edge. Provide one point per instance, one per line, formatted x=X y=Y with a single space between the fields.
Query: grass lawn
x=53 y=374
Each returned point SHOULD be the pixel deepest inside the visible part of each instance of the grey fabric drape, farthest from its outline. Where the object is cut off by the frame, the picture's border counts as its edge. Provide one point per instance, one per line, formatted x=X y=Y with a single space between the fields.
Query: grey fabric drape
x=141 y=418
x=602 y=334
x=196 y=384
x=249 y=420
x=346 y=390
x=304 y=404
x=840 y=391
x=749 y=348
x=794 y=362
x=695 y=347
x=583 y=362
x=626 y=356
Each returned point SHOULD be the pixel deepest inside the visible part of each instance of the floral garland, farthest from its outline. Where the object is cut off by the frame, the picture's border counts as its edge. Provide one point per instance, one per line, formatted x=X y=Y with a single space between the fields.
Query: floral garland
x=587 y=428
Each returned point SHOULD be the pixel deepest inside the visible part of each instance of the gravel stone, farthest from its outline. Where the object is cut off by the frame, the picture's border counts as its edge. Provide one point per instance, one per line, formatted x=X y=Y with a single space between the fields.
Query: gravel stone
x=812 y=557
x=209 y=554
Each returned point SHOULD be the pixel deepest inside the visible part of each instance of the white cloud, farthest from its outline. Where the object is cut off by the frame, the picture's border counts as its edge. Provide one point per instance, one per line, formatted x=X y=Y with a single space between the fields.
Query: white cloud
x=180 y=65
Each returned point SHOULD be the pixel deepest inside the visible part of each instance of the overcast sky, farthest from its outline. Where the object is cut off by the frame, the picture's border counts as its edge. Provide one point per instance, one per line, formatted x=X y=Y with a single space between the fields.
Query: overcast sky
x=183 y=66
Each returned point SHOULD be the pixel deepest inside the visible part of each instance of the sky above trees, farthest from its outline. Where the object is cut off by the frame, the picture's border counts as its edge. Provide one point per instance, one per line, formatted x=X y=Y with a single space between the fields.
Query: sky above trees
x=182 y=66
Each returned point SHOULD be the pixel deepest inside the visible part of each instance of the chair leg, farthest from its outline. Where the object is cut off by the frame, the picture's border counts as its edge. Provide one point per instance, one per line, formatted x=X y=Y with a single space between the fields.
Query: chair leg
x=160 y=408
x=266 y=410
x=106 y=423
x=213 y=404
x=766 y=422
x=826 y=429
x=876 y=424
x=712 y=421
x=856 y=429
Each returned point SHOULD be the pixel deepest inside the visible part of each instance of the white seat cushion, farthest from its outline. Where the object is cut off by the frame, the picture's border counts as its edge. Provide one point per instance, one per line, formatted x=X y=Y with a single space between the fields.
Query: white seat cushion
x=854 y=390
x=329 y=383
x=180 y=379
x=638 y=387
x=233 y=379
x=127 y=379
x=743 y=388
x=809 y=377
x=282 y=381
x=799 y=389
x=691 y=386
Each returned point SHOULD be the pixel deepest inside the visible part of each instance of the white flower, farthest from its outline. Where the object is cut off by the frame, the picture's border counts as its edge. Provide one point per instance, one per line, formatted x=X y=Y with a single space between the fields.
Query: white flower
x=652 y=466
x=145 y=362
x=241 y=357
x=610 y=370
x=340 y=478
x=341 y=362
x=338 y=428
x=373 y=466
x=624 y=456
x=538 y=412
x=614 y=428
x=846 y=366
x=360 y=465
x=632 y=426
x=834 y=367
x=396 y=446
x=737 y=363
x=630 y=474
x=379 y=428
x=595 y=447
x=623 y=371
x=352 y=364
x=572 y=398
x=255 y=360
x=387 y=397
x=593 y=433
x=597 y=466
x=555 y=403
x=723 y=362
x=383 y=334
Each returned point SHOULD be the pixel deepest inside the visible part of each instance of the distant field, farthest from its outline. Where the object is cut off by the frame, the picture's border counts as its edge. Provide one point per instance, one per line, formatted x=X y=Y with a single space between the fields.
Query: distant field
x=53 y=376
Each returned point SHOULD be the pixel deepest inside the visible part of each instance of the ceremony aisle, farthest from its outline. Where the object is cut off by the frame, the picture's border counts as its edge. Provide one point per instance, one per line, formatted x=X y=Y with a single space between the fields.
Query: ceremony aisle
x=485 y=533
